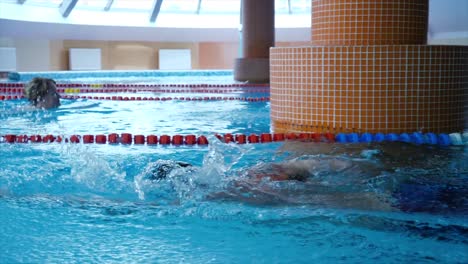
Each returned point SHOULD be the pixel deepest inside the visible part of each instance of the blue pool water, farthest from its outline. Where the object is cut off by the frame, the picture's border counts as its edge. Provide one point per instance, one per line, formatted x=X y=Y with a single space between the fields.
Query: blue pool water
x=363 y=203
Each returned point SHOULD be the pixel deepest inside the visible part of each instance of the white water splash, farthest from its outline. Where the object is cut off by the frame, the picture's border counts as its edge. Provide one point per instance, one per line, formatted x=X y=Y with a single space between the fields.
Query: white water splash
x=92 y=171
x=193 y=182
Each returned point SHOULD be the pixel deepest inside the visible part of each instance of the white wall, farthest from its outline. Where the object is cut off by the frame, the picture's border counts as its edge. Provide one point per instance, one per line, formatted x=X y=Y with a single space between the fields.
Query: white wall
x=449 y=41
x=7 y=42
x=7 y=59
x=32 y=54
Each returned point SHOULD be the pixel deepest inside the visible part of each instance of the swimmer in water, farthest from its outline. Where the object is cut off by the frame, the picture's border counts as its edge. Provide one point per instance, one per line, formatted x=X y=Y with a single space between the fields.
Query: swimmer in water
x=292 y=170
x=256 y=184
x=42 y=93
x=384 y=183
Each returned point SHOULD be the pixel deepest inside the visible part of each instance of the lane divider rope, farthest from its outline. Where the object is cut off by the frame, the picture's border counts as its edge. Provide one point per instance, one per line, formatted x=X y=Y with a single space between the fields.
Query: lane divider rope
x=17 y=88
x=145 y=98
x=136 y=90
x=113 y=138
x=10 y=97
x=138 y=139
x=139 y=98
x=141 y=85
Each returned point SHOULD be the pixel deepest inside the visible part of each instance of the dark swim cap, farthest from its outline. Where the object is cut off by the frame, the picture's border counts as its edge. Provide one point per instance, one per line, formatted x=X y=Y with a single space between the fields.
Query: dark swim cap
x=162 y=168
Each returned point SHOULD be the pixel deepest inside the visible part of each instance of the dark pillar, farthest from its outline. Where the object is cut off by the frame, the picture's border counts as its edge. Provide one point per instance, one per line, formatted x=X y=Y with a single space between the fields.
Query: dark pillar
x=258 y=35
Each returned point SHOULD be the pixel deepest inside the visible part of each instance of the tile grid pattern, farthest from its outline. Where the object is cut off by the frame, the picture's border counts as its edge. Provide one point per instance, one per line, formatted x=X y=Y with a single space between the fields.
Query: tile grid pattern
x=369 y=88
x=369 y=22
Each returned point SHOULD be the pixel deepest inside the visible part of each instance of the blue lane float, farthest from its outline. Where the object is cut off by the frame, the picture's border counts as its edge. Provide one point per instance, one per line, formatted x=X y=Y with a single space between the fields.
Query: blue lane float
x=353 y=137
x=379 y=137
x=431 y=138
x=443 y=139
x=391 y=137
x=404 y=137
x=366 y=137
x=417 y=138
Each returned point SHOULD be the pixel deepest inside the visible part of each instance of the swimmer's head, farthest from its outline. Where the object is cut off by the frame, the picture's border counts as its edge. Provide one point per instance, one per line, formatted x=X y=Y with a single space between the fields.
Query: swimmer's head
x=162 y=168
x=42 y=93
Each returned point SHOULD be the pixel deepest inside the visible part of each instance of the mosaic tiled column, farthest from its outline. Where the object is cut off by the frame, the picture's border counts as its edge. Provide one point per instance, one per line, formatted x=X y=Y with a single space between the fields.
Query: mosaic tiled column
x=368 y=70
x=369 y=22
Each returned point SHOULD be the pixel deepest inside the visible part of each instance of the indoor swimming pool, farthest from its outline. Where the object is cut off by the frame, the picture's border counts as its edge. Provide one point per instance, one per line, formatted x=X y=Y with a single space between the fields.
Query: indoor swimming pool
x=377 y=202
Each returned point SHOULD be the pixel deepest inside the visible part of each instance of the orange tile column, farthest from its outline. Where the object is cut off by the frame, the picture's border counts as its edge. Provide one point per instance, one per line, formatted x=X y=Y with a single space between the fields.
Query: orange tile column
x=369 y=22
x=368 y=70
x=258 y=35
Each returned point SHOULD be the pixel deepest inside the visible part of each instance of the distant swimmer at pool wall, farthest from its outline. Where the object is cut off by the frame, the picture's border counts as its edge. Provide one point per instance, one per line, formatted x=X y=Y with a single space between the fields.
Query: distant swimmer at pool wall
x=42 y=93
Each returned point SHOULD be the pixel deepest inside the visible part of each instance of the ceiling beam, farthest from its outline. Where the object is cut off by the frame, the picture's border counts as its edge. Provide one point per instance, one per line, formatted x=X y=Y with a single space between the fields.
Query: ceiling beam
x=20 y=1
x=155 y=12
x=198 y=7
x=240 y=12
x=108 y=5
x=67 y=6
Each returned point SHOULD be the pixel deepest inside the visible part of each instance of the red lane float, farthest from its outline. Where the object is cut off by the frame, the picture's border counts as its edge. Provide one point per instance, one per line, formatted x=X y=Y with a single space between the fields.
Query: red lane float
x=241 y=139
x=113 y=138
x=152 y=140
x=126 y=138
x=265 y=137
x=139 y=139
x=202 y=140
x=101 y=139
x=74 y=139
x=278 y=137
x=164 y=140
x=88 y=139
x=10 y=138
x=228 y=138
x=253 y=138
x=48 y=139
x=22 y=139
x=330 y=137
x=177 y=140
x=291 y=136
x=35 y=138
x=190 y=139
